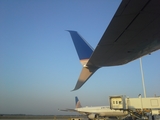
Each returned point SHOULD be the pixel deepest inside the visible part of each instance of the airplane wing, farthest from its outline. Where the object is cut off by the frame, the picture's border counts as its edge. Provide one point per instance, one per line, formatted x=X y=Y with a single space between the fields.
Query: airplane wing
x=86 y=73
x=133 y=32
x=68 y=110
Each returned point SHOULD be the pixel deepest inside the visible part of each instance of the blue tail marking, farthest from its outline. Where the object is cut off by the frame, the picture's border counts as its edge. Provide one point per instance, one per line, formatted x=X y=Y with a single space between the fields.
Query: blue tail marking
x=78 y=104
x=83 y=49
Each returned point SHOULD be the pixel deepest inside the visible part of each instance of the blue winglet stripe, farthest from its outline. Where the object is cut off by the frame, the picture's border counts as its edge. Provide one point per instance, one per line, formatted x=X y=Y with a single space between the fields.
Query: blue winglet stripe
x=83 y=49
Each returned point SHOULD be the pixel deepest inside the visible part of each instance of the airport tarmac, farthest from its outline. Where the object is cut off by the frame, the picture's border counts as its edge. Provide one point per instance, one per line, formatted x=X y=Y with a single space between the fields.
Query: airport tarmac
x=49 y=117
x=42 y=119
x=31 y=119
x=56 y=119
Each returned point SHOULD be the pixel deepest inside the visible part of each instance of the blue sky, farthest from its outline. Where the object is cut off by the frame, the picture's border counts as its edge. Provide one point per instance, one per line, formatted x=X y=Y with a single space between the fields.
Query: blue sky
x=39 y=65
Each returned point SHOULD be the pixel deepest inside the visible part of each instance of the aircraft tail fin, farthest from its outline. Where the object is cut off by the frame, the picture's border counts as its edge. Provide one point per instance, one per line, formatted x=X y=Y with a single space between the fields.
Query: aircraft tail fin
x=78 y=104
x=84 y=50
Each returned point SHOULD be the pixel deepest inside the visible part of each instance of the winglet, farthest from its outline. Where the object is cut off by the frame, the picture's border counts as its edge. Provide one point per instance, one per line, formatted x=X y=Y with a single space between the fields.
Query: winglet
x=84 y=50
x=86 y=73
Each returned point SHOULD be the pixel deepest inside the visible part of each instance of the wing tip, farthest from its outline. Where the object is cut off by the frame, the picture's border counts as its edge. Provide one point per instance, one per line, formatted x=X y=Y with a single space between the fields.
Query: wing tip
x=74 y=89
x=70 y=31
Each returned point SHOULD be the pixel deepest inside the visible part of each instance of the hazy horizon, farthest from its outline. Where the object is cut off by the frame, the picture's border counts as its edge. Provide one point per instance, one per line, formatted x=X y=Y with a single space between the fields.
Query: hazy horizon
x=39 y=65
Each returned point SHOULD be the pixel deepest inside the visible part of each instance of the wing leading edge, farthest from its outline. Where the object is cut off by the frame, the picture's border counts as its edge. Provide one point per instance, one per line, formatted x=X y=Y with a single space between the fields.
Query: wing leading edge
x=133 y=32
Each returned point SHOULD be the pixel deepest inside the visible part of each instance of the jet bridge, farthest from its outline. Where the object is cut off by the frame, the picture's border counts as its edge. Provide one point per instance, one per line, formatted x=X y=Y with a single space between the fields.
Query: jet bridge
x=138 y=107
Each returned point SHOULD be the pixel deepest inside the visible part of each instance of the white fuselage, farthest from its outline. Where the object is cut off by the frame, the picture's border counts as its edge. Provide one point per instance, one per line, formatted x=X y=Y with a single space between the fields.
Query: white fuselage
x=101 y=111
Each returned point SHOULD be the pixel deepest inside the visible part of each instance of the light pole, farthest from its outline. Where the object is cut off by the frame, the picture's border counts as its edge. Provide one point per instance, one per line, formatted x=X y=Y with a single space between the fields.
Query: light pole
x=144 y=89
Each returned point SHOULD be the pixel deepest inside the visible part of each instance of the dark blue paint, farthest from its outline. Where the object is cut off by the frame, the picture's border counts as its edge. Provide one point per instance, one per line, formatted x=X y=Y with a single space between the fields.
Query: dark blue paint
x=82 y=47
x=76 y=99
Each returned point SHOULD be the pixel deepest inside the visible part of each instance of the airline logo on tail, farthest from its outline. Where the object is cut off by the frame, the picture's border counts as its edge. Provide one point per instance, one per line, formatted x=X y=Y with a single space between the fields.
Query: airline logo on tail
x=78 y=104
